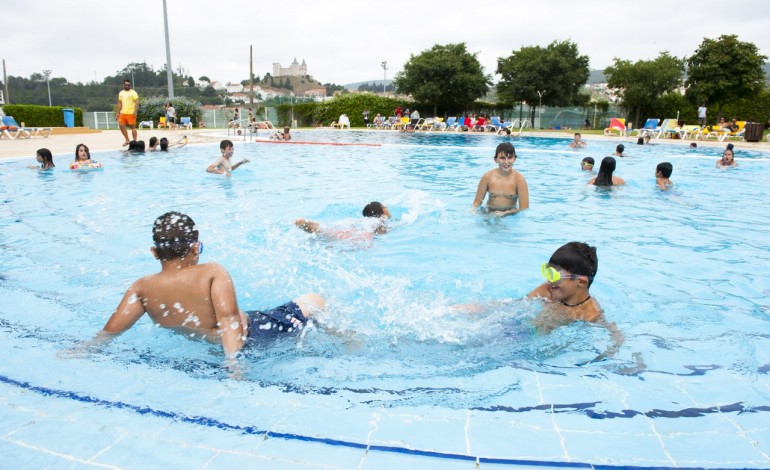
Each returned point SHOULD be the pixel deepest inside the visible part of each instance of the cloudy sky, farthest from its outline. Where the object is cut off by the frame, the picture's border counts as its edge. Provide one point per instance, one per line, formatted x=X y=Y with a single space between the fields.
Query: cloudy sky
x=345 y=41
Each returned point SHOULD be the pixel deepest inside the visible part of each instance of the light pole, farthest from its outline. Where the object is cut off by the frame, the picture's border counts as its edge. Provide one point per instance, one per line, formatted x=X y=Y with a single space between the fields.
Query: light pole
x=540 y=94
x=169 y=72
x=384 y=75
x=47 y=74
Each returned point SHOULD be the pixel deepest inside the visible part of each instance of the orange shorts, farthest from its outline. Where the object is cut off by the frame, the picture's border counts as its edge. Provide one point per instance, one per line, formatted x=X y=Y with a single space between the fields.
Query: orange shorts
x=127 y=119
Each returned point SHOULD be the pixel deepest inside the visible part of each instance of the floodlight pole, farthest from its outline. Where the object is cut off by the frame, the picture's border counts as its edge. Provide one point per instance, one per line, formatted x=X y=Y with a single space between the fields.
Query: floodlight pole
x=540 y=94
x=169 y=73
x=47 y=74
x=384 y=75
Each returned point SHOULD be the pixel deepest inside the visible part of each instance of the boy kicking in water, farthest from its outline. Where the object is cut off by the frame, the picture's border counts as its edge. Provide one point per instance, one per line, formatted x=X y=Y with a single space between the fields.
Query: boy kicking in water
x=374 y=209
x=223 y=165
x=199 y=300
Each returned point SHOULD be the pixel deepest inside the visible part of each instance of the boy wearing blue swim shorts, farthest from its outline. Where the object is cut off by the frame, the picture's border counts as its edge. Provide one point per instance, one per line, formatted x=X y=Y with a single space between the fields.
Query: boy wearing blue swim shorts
x=199 y=300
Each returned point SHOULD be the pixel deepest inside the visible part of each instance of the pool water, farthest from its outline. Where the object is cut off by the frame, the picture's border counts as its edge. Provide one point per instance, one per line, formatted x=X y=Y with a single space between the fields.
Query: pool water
x=391 y=375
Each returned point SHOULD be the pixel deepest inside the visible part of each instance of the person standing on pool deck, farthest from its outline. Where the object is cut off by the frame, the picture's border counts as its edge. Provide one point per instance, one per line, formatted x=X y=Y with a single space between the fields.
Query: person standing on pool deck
x=702 y=115
x=199 y=300
x=506 y=187
x=128 y=106
x=223 y=165
x=569 y=275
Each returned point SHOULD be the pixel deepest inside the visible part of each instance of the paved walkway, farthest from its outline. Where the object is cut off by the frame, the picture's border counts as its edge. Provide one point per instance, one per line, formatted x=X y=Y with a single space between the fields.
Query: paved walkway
x=64 y=144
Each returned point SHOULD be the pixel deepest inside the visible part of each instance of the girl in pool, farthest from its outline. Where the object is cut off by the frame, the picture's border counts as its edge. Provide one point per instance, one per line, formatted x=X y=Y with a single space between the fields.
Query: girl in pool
x=45 y=158
x=727 y=160
x=604 y=177
x=83 y=158
x=506 y=187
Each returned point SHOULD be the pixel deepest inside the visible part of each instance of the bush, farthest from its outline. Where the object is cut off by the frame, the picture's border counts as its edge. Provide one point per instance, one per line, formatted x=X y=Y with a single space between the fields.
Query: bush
x=41 y=116
x=151 y=109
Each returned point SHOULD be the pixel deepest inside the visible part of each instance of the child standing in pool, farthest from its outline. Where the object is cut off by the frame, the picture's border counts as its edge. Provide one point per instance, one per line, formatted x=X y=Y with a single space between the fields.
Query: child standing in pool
x=83 y=158
x=45 y=158
x=223 y=165
x=199 y=300
x=507 y=188
x=662 y=175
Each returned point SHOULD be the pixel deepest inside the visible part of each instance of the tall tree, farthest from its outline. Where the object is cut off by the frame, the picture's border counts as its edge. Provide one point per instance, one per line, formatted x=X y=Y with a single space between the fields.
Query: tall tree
x=447 y=77
x=724 y=70
x=642 y=83
x=557 y=69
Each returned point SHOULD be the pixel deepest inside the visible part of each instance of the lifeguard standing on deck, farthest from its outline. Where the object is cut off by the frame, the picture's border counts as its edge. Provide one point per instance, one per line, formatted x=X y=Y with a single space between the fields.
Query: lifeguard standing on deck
x=128 y=106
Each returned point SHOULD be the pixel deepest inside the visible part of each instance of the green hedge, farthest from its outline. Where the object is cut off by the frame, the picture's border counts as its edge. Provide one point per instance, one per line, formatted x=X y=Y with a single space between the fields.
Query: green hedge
x=151 y=109
x=41 y=116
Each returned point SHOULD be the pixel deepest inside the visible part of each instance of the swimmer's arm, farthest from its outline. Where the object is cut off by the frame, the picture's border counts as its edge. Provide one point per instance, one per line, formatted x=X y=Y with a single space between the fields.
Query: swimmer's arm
x=230 y=326
x=481 y=191
x=129 y=311
x=661 y=184
x=523 y=193
x=214 y=168
x=591 y=181
x=618 y=181
x=308 y=225
x=541 y=291
x=245 y=160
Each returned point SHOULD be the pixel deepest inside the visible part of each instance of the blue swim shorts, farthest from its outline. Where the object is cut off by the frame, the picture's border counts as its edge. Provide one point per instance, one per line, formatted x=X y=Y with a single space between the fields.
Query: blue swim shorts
x=275 y=321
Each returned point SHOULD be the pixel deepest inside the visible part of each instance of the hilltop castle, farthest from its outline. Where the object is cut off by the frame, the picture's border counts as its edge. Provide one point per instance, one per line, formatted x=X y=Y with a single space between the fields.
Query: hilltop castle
x=294 y=70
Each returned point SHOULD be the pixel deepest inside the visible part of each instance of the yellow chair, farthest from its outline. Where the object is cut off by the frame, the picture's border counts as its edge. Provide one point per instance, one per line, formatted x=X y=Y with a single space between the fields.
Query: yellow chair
x=162 y=122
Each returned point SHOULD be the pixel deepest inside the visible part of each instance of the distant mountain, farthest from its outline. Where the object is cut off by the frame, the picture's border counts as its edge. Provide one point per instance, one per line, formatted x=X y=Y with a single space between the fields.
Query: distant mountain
x=596 y=76
x=354 y=86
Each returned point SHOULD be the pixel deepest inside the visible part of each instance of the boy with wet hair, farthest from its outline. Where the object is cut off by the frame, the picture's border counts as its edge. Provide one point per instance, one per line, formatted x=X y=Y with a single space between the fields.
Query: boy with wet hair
x=223 y=165
x=662 y=175
x=374 y=209
x=199 y=300
x=587 y=164
x=569 y=275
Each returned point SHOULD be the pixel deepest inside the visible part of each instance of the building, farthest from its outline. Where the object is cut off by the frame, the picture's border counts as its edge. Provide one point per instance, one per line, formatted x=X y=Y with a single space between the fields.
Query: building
x=293 y=70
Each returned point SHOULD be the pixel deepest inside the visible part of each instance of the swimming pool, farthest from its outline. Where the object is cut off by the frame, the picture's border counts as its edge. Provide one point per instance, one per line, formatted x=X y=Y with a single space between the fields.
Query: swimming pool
x=411 y=383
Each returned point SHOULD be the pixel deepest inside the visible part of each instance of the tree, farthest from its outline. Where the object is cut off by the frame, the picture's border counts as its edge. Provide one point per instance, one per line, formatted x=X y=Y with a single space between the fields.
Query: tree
x=557 y=69
x=724 y=70
x=642 y=83
x=447 y=76
x=204 y=78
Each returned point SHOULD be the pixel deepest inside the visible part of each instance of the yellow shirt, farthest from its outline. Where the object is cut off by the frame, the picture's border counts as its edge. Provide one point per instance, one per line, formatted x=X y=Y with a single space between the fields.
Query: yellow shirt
x=127 y=98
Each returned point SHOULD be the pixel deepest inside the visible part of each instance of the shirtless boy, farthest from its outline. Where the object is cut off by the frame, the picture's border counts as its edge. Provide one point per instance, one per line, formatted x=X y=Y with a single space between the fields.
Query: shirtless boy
x=569 y=274
x=223 y=165
x=662 y=174
x=199 y=300
x=507 y=187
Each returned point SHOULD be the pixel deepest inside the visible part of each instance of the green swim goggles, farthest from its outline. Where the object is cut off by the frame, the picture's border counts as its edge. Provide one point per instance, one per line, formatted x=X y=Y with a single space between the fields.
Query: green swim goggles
x=552 y=275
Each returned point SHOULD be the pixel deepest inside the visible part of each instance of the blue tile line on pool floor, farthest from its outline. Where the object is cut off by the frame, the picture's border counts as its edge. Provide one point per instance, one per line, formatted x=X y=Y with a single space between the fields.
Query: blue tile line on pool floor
x=252 y=430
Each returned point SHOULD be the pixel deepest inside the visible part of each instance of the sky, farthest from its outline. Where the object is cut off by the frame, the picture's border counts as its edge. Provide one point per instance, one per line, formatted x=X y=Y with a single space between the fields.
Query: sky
x=345 y=41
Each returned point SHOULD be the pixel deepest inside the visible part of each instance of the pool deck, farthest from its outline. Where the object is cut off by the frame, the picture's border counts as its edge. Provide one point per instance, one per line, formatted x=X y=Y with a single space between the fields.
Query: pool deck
x=63 y=141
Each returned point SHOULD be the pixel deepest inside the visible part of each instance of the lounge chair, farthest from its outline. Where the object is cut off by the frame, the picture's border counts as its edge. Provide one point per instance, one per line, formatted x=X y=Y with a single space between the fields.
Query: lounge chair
x=13 y=127
x=689 y=131
x=721 y=135
x=616 y=125
x=649 y=128
x=667 y=127
x=146 y=124
x=185 y=122
x=494 y=123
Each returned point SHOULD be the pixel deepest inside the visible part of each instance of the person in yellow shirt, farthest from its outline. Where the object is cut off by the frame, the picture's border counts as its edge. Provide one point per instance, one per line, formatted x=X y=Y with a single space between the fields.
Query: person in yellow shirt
x=128 y=105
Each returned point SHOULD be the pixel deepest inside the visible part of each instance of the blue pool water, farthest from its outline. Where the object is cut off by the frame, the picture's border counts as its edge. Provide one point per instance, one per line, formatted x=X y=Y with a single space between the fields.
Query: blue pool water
x=408 y=382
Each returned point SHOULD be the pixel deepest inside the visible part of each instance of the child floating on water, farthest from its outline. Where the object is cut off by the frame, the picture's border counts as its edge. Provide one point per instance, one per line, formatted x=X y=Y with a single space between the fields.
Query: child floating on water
x=374 y=209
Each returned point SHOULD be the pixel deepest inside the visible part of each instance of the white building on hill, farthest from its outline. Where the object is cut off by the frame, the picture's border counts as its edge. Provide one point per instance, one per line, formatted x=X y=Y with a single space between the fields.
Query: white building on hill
x=293 y=70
